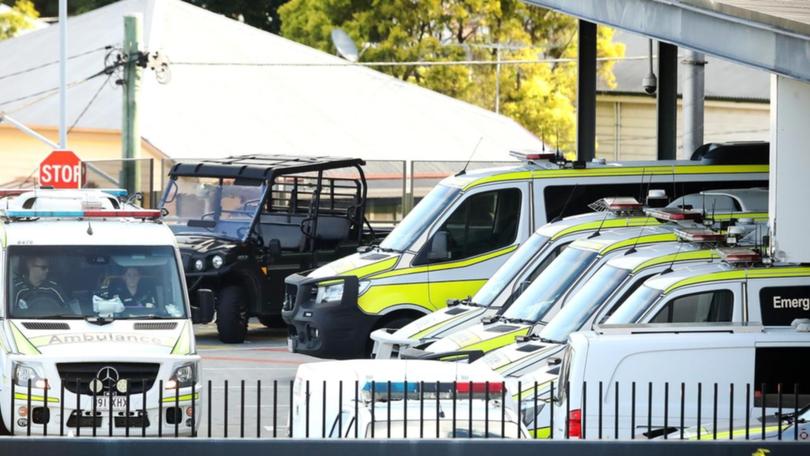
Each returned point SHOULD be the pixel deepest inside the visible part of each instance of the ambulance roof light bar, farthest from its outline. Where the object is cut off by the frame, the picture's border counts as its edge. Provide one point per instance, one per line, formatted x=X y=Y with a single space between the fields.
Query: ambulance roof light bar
x=616 y=204
x=532 y=156
x=116 y=192
x=673 y=214
x=699 y=235
x=382 y=390
x=739 y=255
x=85 y=214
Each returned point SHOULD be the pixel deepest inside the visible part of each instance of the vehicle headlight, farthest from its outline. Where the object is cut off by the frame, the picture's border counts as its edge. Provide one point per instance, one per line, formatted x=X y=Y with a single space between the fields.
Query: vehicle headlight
x=363 y=286
x=217 y=261
x=527 y=412
x=332 y=292
x=183 y=376
x=199 y=264
x=25 y=372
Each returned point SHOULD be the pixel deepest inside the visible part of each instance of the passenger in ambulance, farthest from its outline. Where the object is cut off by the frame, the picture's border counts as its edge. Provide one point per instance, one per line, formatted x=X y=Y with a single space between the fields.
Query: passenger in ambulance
x=33 y=293
x=132 y=290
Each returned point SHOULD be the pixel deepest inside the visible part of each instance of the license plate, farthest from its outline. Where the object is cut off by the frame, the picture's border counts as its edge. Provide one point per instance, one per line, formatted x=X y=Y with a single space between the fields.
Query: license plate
x=118 y=402
x=290 y=344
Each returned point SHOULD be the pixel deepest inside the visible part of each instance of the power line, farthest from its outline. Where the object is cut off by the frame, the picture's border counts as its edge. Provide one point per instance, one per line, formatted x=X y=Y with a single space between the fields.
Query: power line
x=90 y=103
x=411 y=63
x=47 y=64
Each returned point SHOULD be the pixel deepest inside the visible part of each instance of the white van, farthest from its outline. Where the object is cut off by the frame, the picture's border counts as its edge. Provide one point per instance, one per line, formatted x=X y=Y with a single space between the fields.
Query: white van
x=657 y=380
x=459 y=235
x=400 y=399
x=96 y=326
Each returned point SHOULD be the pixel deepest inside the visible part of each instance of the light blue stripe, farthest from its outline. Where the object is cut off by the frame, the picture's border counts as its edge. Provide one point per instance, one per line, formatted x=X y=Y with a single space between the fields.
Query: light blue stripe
x=44 y=213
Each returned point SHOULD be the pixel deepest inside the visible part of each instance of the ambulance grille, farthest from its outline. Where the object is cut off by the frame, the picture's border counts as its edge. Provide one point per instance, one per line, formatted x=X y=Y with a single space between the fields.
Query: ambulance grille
x=76 y=377
x=44 y=325
x=164 y=325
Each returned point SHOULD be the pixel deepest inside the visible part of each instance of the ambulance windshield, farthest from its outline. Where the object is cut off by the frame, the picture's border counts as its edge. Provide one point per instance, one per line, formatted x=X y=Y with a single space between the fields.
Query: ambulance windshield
x=635 y=305
x=506 y=273
x=212 y=205
x=550 y=285
x=75 y=282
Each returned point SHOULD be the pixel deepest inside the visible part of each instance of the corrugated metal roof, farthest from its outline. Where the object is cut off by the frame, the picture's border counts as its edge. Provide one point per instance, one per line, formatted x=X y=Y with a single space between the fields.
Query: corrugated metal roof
x=220 y=110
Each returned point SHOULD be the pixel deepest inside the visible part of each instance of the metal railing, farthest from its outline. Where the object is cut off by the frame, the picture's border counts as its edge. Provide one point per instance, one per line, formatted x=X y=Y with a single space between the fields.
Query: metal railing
x=351 y=410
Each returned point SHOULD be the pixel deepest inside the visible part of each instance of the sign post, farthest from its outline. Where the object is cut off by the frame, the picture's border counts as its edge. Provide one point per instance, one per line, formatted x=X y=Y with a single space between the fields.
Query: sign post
x=61 y=169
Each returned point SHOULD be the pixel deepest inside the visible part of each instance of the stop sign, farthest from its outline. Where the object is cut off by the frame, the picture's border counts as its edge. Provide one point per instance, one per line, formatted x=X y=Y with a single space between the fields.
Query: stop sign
x=61 y=169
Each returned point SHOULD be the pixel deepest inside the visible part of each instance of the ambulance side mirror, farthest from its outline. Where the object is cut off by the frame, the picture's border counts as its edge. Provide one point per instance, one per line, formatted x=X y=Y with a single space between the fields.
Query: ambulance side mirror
x=203 y=309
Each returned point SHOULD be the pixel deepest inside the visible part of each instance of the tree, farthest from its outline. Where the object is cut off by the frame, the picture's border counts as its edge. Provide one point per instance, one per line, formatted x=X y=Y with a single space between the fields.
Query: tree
x=540 y=96
x=20 y=17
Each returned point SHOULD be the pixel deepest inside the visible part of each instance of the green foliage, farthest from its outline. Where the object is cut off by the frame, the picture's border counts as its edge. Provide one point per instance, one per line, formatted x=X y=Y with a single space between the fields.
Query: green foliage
x=540 y=96
x=17 y=19
x=261 y=14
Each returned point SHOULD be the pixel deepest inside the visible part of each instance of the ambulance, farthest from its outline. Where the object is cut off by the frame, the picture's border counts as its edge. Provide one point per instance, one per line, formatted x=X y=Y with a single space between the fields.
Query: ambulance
x=534 y=255
x=740 y=326
x=462 y=232
x=532 y=363
x=510 y=280
x=96 y=333
x=400 y=399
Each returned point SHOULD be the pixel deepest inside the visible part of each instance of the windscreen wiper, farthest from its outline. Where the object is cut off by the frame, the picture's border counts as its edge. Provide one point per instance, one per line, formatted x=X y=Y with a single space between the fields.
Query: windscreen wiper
x=52 y=317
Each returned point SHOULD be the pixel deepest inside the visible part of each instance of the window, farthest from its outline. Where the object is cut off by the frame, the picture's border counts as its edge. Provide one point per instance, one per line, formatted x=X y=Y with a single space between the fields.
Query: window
x=483 y=222
x=782 y=368
x=781 y=305
x=707 y=203
x=638 y=281
x=706 y=307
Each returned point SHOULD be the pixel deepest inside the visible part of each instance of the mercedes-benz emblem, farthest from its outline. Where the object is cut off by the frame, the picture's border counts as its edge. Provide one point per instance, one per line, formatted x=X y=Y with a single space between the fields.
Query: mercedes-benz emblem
x=107 y=377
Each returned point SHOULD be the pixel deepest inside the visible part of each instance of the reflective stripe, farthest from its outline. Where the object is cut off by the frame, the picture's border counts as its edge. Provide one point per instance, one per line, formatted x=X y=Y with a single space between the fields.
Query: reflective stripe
x=652 y=239
x=706 y=434
x=756 y=216
x=381 y=297
x=440 y=324
x=182 y=397
x=541 y=433
x=450 y=265
x=609 y=171
x=531 y=392
x=34 y=398
x=24 y=346
x=609 y=223
x=498 y=341
x=183 y=344
x=677 y=257
x=373 y=268
x=761 y=273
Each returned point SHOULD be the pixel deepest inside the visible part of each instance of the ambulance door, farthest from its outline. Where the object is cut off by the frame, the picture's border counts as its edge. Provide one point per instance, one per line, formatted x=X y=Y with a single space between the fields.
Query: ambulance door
x=778 y=301
x=475 y=240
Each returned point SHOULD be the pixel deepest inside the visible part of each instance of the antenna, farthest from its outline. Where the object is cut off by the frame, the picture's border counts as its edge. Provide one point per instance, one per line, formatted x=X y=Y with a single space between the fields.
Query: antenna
x=345 y=45
x=475 y=149
x=672 y=263
x=599 y=228
x=565 y=206
x=635 y=241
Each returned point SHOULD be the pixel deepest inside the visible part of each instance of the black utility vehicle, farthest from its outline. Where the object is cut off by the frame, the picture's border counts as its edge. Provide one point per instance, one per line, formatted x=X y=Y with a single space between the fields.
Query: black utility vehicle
x=244 y=223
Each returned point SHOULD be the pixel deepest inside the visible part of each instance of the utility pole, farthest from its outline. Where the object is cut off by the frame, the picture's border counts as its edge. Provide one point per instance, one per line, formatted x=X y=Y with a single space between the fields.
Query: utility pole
x=63 y=74
x=693 y=96
x=130 y=130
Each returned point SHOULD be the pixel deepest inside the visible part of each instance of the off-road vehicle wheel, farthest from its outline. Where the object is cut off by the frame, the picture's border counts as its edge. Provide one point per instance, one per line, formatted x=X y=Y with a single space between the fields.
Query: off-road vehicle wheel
x=232 y=315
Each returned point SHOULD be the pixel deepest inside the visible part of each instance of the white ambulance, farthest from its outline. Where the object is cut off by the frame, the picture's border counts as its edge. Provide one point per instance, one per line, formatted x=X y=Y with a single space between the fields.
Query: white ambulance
x=96 y=334
x=400 y=399
x=747 y=368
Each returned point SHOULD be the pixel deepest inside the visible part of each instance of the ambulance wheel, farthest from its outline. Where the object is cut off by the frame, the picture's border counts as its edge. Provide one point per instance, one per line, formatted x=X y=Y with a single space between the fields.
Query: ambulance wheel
x=232 y=315
x=273 y=321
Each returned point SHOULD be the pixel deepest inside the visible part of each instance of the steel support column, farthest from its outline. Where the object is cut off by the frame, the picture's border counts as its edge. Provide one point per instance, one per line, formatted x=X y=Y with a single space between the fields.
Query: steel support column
x=586 y=91
x=667 y=101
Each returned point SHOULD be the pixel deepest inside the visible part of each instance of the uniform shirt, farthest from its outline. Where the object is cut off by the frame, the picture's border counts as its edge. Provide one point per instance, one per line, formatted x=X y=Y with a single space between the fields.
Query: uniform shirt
x=143 y=297
x=47 y=293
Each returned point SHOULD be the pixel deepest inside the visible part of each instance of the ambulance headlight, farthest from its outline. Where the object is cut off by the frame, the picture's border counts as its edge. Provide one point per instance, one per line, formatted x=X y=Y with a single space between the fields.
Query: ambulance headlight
x=199 y=265
x=217 y=261
x=363 y=286
x=183 y=376
x=25 y=372
x=333 y=292
x=527 y=412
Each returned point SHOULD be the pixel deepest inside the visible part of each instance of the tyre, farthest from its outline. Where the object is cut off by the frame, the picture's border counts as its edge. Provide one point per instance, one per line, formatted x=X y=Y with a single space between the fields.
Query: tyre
x=273 y=321
x=232 y=315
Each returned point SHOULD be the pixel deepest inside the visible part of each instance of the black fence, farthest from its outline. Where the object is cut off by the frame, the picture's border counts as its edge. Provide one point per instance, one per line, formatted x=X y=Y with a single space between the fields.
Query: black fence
x=355 y=410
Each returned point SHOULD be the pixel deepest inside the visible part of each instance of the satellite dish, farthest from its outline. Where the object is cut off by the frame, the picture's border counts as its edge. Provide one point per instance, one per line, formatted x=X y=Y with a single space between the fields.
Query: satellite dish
x=345 y=45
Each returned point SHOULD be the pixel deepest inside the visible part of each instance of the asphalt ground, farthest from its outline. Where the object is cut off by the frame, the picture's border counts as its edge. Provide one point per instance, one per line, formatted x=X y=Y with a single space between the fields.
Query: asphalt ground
x=263 y=357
